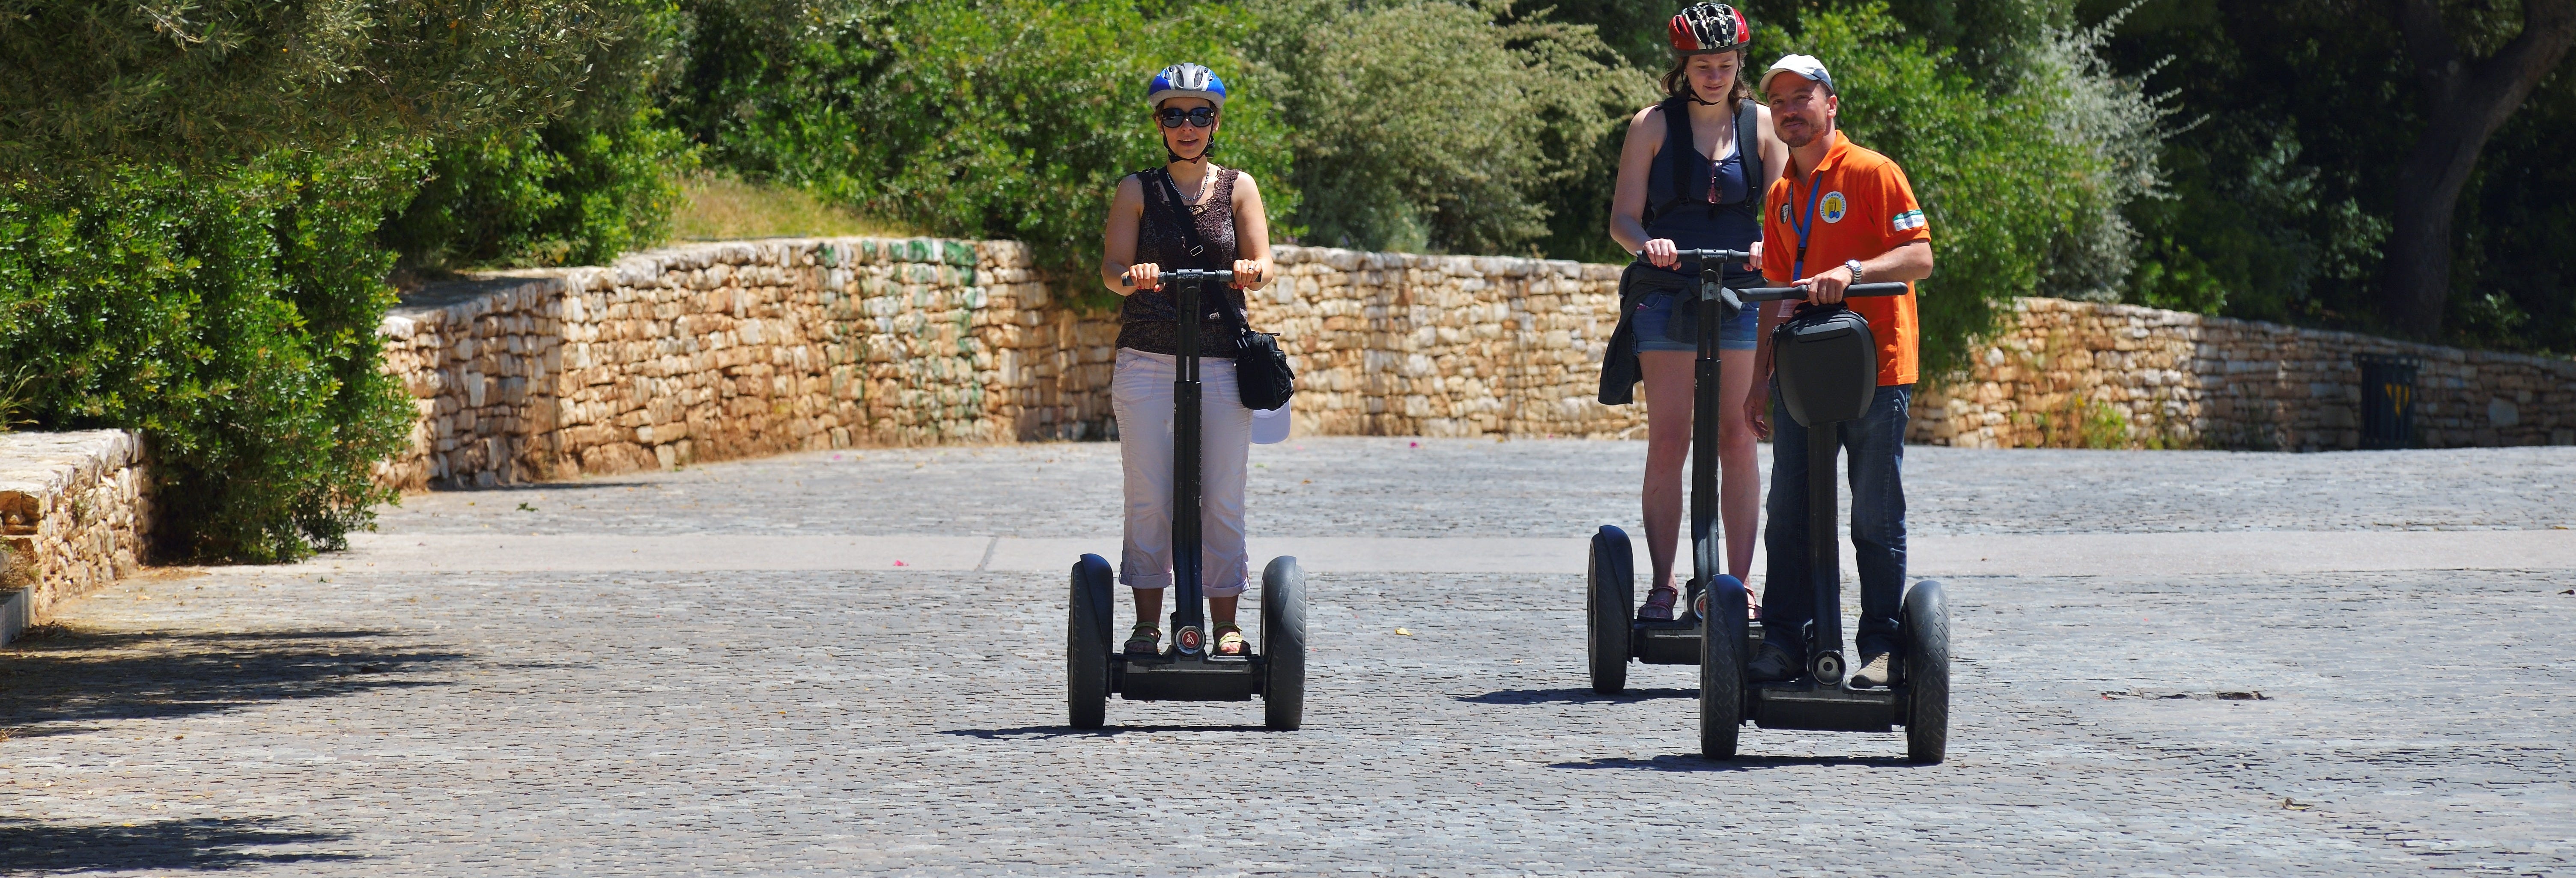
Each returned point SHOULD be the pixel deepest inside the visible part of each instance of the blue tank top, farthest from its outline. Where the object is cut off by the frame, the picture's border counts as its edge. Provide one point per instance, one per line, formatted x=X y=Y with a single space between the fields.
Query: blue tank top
x=1708 y=204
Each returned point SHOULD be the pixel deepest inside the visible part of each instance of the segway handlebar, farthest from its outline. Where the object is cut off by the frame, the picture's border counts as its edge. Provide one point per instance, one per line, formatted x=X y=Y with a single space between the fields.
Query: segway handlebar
x=1775 y=294
x=1718 y=255
x=1189 y=275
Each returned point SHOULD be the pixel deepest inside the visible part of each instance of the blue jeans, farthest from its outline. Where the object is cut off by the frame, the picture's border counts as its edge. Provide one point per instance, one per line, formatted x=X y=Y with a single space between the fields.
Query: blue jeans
x=1875 y=449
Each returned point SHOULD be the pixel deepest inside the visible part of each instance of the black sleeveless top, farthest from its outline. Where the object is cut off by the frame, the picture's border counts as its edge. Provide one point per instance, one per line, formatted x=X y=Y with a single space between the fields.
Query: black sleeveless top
x=1698 y=203
x=1147 y=320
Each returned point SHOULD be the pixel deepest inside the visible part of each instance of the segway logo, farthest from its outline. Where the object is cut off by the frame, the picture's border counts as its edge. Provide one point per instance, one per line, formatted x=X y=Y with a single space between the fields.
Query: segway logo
x=1189 y=640
x=1834 y=207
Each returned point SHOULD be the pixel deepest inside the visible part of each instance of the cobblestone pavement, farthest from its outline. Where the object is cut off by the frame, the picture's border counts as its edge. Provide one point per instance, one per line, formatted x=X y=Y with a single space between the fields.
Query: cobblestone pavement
x=1445 y=487
x=389 y=723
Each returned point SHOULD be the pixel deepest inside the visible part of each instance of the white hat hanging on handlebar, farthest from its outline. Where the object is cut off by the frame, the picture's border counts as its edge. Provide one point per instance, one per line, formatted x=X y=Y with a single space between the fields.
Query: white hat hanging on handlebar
x=1184 y=80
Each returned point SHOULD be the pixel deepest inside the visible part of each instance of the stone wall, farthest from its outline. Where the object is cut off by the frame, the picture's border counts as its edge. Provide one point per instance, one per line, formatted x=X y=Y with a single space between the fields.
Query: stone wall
x=2084 y=374
x=727 y=350
x=75 y=510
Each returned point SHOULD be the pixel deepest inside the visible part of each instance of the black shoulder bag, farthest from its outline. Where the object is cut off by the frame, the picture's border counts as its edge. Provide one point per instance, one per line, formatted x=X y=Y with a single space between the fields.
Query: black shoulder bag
x=1261 y=372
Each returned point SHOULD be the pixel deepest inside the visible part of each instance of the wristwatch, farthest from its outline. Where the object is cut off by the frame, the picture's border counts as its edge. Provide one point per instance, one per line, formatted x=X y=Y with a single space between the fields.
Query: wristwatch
x=1854 y=265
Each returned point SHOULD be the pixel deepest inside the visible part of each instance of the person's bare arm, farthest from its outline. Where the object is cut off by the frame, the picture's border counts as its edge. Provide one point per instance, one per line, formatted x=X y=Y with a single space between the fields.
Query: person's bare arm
x=1628 y=200
x=1252 y=268
x=1118 y=242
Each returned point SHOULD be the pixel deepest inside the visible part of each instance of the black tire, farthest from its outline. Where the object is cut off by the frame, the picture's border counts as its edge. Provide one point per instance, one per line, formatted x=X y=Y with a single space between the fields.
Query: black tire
x=1721 y=669
x=1086 y=644
x=1609 y=590
x=1927 y=673
x=1283 y=645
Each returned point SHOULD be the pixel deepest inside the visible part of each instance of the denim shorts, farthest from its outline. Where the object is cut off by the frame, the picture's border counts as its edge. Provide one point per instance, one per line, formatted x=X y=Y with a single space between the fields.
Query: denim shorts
x=1657 y=328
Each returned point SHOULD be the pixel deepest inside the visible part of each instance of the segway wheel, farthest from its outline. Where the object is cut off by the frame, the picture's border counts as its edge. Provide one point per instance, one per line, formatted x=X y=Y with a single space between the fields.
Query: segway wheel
x=1721 y=669
x=1927 y=673
x=1609 y=588
x=1283 y=644
x=1090 y=612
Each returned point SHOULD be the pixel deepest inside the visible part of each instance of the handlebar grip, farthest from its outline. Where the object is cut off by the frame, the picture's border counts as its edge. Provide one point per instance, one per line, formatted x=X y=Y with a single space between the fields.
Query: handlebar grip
x=1721 y=255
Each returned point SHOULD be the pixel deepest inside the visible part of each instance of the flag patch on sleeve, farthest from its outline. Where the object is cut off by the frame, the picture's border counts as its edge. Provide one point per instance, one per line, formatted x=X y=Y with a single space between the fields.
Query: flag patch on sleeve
x=1909 y=221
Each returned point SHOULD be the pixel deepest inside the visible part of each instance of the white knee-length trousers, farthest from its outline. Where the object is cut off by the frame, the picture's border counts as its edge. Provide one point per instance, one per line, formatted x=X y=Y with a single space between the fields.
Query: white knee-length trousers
x=1140 y=394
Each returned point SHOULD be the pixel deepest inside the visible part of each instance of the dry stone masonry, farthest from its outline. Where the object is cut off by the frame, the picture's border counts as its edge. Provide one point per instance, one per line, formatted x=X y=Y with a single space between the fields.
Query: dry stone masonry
x=727 y=350
x=2099 y=375
x=75 y=510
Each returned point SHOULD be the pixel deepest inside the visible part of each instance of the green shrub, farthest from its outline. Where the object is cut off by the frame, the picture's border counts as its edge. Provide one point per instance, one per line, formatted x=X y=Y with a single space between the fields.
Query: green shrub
x=229 y=319
x=1431 y=126
x=2018 y=190
x=597 y=180
x=997 y=119
x=566 y=194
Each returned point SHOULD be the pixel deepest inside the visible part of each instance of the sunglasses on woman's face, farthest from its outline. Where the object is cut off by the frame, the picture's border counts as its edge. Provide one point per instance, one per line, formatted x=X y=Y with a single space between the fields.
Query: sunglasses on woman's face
x=1198 y=118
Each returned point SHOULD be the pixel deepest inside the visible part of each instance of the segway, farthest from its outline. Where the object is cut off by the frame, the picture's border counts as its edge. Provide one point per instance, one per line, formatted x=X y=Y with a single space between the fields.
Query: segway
x=1828 y=371
x=1617 y=636
x=1185 y=670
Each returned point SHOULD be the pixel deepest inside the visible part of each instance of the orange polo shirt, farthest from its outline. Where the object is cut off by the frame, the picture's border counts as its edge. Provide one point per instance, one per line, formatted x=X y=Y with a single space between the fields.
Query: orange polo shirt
x=1863 y=207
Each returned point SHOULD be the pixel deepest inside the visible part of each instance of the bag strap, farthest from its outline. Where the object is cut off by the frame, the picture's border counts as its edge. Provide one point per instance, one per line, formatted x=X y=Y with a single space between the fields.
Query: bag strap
x=1188 y=230
x=1678 y=153
x=1748 y=149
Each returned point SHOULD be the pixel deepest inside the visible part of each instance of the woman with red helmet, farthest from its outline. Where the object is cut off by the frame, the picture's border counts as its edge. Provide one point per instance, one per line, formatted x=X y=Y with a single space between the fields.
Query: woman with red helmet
x=1228 y=230
x=1691 y=177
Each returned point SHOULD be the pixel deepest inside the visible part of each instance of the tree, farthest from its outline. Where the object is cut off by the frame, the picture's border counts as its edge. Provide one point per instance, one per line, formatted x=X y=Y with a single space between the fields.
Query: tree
x=91 y=84
x=2465 y=100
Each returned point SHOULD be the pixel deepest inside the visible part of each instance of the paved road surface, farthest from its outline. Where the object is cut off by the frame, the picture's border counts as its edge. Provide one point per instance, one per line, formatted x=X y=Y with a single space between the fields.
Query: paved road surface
x=609 y=717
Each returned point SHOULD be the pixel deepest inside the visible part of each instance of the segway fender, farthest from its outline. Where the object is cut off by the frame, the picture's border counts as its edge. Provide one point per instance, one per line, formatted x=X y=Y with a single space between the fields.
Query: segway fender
x=1283 y=644
x=1925 y=616
x=1609 y=593
x=1090 y=611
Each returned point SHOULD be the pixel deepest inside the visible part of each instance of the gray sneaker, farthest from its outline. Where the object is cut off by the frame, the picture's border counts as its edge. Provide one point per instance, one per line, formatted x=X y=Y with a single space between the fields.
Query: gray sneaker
x=1879 y=670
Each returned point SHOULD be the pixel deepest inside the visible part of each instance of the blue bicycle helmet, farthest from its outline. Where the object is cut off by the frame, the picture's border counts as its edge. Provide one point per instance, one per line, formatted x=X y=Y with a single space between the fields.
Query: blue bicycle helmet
x=1184 y=80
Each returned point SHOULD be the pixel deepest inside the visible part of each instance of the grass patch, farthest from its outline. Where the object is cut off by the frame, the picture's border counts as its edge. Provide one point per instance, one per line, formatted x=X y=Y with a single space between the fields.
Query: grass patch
x=720 y=208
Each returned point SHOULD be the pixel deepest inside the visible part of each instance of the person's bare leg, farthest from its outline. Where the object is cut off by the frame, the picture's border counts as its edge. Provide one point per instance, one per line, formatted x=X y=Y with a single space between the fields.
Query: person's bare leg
x=1221 y=609
x=1668 y=437
x=1739 y=466
x=1149 y=606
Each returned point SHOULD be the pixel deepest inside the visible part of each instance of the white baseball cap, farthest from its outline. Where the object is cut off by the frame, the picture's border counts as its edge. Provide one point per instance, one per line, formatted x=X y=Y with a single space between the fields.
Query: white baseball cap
x=1805 y=66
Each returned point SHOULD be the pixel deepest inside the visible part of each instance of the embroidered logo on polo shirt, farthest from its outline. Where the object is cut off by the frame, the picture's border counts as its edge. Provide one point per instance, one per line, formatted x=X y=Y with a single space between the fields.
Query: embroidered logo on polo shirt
x=1834 y=207
x=1909 y=221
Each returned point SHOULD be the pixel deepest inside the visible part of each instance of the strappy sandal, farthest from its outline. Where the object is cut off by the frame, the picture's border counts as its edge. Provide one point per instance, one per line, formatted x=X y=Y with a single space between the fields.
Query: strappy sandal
x=1229 y=640
x=1145 y=640
x=1659 y=604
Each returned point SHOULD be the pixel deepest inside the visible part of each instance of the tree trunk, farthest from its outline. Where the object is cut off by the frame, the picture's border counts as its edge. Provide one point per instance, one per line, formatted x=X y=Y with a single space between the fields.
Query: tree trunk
x=2465 y=102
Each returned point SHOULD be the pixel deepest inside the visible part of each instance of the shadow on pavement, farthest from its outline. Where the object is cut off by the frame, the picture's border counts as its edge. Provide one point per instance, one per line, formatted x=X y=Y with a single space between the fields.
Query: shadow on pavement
x=28 y=846
x=1574 y=696
x=1694 y=762
x=1036 y=733
x=50 y=684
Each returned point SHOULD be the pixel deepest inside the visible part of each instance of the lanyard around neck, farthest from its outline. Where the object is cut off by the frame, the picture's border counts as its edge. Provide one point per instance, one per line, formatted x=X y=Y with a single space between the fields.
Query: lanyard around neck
x=1805 y=221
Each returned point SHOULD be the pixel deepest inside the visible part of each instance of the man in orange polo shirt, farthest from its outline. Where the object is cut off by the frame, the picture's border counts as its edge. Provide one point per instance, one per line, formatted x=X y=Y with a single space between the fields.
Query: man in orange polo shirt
x=1838 y=216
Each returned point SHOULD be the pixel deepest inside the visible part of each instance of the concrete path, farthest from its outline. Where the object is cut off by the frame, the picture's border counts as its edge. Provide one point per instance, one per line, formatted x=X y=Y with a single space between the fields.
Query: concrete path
x=2167 y=663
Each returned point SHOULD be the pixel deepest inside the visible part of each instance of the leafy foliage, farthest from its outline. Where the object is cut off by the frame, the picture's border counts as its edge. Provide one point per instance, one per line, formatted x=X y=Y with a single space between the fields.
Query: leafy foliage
x=94 y=83
x=2022 y=186
x=232 y=320
x=1005 y=119
x=594 y=182
x=1435 y=126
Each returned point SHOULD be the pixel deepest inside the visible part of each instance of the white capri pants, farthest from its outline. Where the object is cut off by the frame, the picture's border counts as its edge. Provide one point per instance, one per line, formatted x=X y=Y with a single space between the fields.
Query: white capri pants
x=1140 y=394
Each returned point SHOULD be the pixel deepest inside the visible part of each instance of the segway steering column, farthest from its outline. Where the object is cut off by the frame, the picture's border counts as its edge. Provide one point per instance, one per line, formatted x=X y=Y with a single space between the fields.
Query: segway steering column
x=1189 y=634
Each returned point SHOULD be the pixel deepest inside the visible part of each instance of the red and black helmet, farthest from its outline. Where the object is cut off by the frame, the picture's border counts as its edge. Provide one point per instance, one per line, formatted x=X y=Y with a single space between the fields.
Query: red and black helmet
x=1708 y=28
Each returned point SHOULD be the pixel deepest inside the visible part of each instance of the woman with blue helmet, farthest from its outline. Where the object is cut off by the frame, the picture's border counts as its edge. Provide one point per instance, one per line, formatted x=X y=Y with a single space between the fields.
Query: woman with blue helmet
x=1228 y=231
x=1691 y=177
